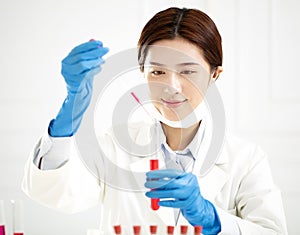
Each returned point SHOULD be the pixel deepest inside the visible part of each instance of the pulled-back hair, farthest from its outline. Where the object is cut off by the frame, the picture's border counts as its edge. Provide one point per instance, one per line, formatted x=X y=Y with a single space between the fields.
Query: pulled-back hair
x=191 y=24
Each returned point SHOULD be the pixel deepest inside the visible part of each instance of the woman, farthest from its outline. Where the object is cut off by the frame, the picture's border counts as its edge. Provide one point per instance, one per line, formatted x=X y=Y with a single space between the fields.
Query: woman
x=180 y=54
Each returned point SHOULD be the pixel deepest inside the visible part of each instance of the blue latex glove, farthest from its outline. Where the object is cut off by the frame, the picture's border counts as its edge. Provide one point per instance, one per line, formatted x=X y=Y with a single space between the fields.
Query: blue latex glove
x=78 y=70
x=181 y=190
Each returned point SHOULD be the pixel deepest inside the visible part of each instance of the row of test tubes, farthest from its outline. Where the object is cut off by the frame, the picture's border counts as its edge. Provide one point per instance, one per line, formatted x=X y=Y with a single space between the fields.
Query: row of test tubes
x=17 y=218
x=136 y=230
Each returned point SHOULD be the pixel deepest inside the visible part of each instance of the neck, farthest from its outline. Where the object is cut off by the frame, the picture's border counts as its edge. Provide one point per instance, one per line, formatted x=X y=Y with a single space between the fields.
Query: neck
x=179 y=138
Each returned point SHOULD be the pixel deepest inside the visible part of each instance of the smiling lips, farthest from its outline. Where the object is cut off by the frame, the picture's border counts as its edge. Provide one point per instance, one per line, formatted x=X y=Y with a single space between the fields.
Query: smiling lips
x=173 y=103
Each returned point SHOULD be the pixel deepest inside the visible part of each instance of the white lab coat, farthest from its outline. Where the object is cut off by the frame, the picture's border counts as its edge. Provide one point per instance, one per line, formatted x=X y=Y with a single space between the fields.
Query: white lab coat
x=239 y=184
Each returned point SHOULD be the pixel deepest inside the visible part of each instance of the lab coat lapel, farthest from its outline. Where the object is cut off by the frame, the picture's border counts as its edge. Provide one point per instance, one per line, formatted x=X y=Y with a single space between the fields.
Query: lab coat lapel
x=213 y=179
x=212 y=183
x=210 y=186
x=210 y=165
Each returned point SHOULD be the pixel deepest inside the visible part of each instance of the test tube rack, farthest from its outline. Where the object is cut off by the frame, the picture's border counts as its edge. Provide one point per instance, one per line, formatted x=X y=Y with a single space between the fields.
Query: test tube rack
x=153 y=230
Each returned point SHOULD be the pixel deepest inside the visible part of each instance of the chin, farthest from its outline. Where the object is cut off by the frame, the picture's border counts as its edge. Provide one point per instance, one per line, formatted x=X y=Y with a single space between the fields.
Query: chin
x=173 y=116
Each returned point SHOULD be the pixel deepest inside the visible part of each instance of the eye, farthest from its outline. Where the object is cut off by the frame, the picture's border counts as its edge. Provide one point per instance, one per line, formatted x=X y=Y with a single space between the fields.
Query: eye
x=157 y=72
x=188 y=72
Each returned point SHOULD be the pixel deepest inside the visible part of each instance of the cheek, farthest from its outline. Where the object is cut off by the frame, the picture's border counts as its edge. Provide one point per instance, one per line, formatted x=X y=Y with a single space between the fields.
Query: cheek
x=154 y=92
x=195 y=91
x=194 y=88
x=155 y=89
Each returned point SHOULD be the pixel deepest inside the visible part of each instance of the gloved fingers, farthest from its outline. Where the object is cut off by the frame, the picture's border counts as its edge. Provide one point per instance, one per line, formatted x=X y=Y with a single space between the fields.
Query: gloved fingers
x=87 y=46
x=185 y=181
x=86 y=55
x=93 y=72
x=180 y=192
x=165 y=173
x=194 y=199
x=178 y=201
x=159 y=184
x=192 y=202
x=188 y=186
x=81 y=67
x=172 y=203
x=163 y=194
x=76 y=80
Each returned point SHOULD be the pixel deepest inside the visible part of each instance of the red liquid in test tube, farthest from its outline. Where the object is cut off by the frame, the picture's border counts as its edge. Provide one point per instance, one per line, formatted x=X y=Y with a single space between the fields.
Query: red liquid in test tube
x=2 y=218
x=153 y=229
x=2 y=230
x=170 y=230
x=117 y=229
x=183 y=229
x=154 y=201
x=136 y=230
x=18 y=233
x=197 y=230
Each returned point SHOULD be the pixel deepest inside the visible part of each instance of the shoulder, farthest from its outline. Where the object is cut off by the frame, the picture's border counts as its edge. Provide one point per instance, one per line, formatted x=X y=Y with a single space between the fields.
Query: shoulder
x=242 y=151
x=234 y=143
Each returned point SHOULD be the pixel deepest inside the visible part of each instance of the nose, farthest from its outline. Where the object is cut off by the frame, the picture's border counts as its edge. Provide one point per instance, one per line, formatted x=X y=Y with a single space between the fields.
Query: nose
x=173 y=84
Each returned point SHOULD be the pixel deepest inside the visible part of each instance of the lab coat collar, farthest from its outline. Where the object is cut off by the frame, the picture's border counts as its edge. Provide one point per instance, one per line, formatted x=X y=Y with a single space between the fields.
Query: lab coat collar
x=193 y=146
x=199 y=147
x=197 y=140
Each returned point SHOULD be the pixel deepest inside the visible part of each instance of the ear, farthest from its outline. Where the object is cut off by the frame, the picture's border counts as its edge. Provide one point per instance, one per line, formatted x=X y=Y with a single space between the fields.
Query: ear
x=216 y=73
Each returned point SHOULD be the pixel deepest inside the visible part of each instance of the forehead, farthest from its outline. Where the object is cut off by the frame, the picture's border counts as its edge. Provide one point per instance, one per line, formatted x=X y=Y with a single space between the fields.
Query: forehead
x=175 y=52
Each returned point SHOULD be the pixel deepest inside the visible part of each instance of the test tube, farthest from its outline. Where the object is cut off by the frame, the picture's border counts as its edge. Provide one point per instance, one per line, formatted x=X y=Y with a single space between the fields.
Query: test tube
x=154 y=162
x=170 y=230
x=183 y=229
x=197 y=230
x=18 y=217
x=2 y=219
x=136 y=230
x=154 y=201
x=153 y=229
x=118 y=229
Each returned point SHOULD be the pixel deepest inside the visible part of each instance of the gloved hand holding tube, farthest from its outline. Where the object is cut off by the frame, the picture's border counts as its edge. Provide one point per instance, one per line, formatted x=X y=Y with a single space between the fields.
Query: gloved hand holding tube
x=78 y=70
x=180 y=189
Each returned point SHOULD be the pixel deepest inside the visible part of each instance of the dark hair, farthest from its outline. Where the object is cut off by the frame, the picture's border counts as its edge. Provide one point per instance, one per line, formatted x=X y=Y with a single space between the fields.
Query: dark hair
x=190 y=24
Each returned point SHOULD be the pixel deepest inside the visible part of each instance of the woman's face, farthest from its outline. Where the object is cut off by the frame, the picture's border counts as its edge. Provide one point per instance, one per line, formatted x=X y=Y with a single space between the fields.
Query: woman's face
x=178 y=77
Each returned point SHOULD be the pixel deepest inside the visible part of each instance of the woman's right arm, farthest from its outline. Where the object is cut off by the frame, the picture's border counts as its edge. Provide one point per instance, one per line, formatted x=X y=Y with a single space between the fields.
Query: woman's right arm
x=54 y=173
x=55 y=176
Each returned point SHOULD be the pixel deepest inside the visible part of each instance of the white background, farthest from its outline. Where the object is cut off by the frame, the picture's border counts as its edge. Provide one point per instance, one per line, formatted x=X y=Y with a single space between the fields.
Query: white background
x=260 y=84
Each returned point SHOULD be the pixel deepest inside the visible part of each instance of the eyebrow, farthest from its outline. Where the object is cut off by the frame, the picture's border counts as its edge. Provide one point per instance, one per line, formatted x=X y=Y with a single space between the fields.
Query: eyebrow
x=180 y=64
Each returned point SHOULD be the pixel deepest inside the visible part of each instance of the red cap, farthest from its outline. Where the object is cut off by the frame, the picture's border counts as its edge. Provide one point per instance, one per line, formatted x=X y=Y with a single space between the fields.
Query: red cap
x=117 y=229
x=197 y=230
x=153 y=164
x=170 y=229
x=136 y=229
x=153 y=229
x=154 y=203
x=183 y=229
